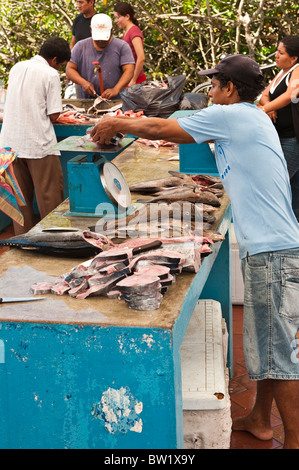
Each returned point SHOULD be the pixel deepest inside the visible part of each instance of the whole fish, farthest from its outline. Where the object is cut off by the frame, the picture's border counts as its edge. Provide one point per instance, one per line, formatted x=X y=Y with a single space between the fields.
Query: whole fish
x=156 y=185
x=171 y=190
x=177 y=181
x=196 y=188
x=64 y=241
x=217 y=191
x=204 y=197
x=183 y=176
x=202 y=182
x=159 y=217
x=208 y=180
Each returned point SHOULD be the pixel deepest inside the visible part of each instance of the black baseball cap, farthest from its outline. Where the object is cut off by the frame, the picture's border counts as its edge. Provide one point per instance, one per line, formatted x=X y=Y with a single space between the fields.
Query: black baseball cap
x=239 y=67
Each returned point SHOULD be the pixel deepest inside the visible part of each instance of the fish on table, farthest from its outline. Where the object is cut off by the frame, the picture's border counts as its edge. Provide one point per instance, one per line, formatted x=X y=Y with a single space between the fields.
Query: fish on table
x=178 y=186
x=201 y=197
x=174 y=180
x=60 y=241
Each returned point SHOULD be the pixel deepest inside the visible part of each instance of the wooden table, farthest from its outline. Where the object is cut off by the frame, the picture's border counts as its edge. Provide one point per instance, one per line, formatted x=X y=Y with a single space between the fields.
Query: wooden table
x=93 y=373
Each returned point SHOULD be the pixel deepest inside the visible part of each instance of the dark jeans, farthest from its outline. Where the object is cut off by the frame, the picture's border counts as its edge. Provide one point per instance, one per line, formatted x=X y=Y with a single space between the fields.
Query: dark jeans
x=290 y=149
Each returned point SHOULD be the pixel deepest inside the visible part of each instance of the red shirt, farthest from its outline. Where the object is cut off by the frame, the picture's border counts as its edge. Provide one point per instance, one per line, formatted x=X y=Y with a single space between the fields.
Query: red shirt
x=133 y=32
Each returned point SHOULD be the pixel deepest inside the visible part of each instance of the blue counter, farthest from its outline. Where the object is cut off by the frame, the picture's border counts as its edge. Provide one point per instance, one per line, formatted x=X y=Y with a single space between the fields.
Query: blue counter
x=93 y=373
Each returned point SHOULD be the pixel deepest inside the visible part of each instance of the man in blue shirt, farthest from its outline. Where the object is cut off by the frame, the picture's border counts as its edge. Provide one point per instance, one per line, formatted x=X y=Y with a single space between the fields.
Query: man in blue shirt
x=254 y=173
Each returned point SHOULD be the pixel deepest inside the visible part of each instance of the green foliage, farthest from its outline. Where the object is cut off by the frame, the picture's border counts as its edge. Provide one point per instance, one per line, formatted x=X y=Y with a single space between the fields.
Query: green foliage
x=181 y=36
x=25 y=25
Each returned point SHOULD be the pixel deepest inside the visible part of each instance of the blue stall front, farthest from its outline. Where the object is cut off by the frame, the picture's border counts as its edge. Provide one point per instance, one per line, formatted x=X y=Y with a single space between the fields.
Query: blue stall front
x=93 y=373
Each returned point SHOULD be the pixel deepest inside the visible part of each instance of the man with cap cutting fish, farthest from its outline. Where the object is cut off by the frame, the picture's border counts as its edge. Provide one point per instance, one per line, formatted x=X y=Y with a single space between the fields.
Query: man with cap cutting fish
x=113 y=56
x=254 y=173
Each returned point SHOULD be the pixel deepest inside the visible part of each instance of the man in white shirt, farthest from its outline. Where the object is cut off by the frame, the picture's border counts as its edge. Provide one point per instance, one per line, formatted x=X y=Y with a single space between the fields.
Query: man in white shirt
x=33 y=103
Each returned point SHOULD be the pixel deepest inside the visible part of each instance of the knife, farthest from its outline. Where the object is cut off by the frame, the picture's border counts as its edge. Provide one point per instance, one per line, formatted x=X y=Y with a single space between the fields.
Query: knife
x=146 y=247
x=4 y=300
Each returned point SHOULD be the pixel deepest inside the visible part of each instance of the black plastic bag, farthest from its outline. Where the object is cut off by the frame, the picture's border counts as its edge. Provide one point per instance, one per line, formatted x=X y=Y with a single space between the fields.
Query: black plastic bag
x=154 y=102
x=194 y=101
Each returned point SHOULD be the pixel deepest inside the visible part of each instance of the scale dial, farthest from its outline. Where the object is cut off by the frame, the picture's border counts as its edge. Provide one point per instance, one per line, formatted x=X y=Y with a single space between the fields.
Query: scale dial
x=115 y=185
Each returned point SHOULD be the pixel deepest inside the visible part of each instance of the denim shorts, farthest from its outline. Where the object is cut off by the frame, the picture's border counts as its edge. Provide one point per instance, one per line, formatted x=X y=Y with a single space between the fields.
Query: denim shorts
x=271 y=315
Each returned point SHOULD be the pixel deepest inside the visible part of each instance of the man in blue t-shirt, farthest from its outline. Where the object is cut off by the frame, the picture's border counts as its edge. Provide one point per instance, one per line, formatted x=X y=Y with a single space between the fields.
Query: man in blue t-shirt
x=113 y=55
x=253 y=170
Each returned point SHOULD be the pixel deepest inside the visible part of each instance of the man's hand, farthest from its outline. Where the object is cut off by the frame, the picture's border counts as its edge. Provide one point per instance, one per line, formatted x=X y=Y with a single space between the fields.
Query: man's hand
x=272 y=115
x=103 y=132
x=88 y=88
x=109 y=93
x=73 y=75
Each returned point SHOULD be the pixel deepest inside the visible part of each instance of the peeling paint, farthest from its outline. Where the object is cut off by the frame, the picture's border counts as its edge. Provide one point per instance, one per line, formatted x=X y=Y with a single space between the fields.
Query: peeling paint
x=119 y=410
x=148 y=339
x=37 y=400
x=128 y=344
x=19 y=356
x=2 y=351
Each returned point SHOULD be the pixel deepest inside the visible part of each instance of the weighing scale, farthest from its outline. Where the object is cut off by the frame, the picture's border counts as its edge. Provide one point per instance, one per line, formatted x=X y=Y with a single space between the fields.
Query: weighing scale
x=97 y=187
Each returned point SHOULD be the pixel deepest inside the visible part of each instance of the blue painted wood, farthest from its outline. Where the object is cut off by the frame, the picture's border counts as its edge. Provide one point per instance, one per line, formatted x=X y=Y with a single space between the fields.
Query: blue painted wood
x=63 y=131
x=107 y=387
x=64 y=386
x=85 y=386
x=195 y=158
x=86 y=191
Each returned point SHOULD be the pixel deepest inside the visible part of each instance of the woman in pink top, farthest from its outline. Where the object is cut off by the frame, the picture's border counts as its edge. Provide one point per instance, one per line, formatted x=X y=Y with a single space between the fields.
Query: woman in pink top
x=125 y=19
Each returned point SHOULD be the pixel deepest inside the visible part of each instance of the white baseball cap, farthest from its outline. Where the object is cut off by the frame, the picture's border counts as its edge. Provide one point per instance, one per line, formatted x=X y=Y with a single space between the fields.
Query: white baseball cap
x=101 y=26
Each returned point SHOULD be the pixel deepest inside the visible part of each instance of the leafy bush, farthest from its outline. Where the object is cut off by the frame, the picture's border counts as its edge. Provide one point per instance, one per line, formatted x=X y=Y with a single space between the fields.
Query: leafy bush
x=181 y=36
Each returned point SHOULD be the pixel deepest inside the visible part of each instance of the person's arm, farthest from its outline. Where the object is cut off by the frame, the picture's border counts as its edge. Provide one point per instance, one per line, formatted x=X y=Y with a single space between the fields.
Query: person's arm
x=146 y=128
x=265 y=99
x=53 y=117
x=138 y=46
x=73 y=42
x=53 y=103
x=73 y=75
x=128 y=70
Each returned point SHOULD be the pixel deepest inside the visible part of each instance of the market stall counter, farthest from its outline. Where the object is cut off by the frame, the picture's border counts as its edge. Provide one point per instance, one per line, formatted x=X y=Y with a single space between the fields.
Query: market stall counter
x=94 y=373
